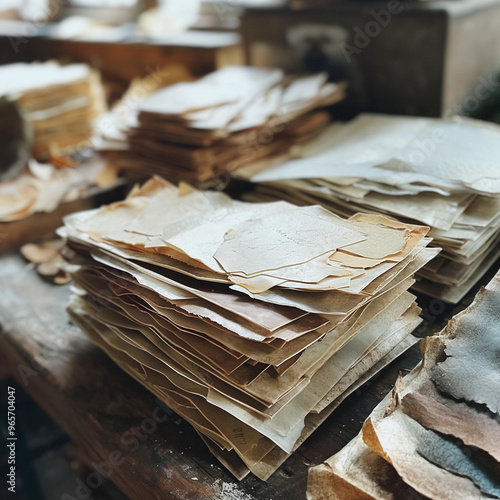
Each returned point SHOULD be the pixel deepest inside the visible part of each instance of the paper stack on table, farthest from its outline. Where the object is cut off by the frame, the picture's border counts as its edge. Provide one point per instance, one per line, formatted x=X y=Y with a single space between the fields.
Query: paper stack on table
x=59 y=102
x=438 y=433
x=444 y=174
x=235 y=116
x=252 y=321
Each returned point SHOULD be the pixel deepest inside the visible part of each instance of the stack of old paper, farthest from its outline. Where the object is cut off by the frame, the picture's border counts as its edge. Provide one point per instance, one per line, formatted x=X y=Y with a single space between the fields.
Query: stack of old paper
x=42 y=187
x=252 y=321
x=235 y=116
x=444 y=174
x=438 y=433
x=59 y=102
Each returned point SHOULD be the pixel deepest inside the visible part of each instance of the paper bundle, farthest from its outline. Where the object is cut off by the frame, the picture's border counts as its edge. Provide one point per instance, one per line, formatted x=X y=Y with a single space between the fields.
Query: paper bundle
x=59 y=102
x=444 y=174
x=438 y=433
x=235 y=116
x=42 y=187
x=252 y=321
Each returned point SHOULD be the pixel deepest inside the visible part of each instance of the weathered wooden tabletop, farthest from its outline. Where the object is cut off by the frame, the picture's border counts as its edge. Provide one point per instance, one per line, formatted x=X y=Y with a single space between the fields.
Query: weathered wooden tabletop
x=148 y=451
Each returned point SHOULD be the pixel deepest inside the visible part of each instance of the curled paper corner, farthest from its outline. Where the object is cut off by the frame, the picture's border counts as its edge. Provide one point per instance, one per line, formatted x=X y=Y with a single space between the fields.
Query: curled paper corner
x=395 y=396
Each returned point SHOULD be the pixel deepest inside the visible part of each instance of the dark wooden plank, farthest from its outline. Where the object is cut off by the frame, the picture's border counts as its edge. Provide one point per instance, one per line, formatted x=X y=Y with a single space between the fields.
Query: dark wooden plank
x=116 y=422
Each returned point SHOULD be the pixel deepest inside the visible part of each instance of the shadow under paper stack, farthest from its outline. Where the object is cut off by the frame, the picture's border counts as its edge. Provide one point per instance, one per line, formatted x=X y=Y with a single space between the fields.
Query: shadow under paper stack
x=252 y=321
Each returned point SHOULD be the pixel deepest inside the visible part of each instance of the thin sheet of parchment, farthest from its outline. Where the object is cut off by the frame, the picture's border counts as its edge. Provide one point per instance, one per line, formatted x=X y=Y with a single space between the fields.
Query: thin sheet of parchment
x=438 y=429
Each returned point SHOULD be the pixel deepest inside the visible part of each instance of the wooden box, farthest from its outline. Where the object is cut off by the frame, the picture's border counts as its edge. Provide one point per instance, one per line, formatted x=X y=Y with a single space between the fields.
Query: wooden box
x=418 y=58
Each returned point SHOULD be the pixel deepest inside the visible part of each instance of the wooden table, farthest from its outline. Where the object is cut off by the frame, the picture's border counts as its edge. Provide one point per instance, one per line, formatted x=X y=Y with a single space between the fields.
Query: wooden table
x=102 y=409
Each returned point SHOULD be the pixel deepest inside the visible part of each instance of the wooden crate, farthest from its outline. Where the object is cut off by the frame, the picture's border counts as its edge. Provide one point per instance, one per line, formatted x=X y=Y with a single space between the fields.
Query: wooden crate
x=430 y=58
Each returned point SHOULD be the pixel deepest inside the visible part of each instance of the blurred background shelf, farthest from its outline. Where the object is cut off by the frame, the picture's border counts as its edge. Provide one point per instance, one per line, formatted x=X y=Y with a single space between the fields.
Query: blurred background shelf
x=121 y=61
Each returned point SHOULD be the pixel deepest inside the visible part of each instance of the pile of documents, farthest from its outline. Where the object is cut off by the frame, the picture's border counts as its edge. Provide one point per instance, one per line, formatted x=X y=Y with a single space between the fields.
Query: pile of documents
x=444 y=174
x=251 y=321
x=61 y=103
x=438 y=433
x=235 y=116
x=43 y=187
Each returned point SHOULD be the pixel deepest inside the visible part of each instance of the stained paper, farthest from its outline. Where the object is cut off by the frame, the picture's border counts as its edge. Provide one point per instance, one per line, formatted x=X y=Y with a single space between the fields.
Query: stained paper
x=377 y=164
x=256 y=317
x=433 y=434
